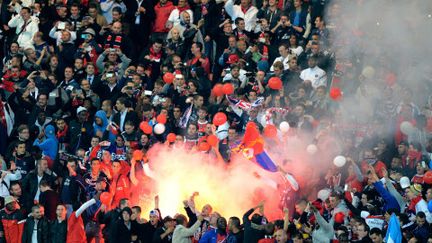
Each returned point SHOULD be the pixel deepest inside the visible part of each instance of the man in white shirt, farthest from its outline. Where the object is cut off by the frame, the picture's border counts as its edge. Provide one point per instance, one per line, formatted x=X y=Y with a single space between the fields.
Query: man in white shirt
x=284 y=58
x=174 y=18
x=245 y=11
x=26 y=26
x=314 y=75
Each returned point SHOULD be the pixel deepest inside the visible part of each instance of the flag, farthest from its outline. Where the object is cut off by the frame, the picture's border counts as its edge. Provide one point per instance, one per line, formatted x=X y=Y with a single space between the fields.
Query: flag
x=252 y=148
x=185 y=118
x=244 y=105
x=394 y=234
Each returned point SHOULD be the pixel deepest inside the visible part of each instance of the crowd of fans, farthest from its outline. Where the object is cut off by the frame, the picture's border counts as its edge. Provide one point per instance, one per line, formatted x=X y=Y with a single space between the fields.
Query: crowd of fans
x=80 y=77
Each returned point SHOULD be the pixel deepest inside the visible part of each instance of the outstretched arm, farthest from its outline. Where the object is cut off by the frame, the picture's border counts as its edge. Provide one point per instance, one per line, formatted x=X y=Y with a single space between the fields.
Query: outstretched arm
x=84 y=207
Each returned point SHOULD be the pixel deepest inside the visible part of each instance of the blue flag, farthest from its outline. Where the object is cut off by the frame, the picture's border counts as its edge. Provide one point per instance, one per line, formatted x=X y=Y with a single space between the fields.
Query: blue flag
x=394 y=234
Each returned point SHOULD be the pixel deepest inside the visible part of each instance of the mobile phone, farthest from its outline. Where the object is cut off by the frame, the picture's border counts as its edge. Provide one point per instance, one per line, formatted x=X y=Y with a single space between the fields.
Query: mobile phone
x=112 y=49
x=148 y=92
x=83 y=36
x=109 y=75
x=346 y=187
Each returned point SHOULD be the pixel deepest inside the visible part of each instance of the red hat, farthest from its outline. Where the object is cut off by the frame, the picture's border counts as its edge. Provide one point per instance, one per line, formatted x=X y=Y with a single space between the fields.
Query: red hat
x=233 y=58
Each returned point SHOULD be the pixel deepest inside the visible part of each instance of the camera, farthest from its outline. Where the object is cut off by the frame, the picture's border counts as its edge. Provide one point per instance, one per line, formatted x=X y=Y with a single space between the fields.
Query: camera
x=37 y=73
x=109 y=75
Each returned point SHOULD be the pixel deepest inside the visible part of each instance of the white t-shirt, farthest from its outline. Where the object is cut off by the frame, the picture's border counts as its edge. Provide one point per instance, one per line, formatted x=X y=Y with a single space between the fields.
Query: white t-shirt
x=316 y=75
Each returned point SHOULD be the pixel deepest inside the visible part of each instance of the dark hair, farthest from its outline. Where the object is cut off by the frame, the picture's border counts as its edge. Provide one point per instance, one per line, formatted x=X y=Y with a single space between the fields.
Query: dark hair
x=376 y=231
x=27 y=8
x=237 y=20
x=127 y=209
x=180 y=219
x=137 y=208
x=199 y=45
x=235 y=221
x=44 y=183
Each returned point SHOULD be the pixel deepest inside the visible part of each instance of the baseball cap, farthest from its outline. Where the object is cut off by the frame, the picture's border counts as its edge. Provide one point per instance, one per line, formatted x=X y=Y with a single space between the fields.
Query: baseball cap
x=81 y=109
x=416 y=188
x=9 y=199
x=233 y=58
x=154 y=212
x=404 y=182
x=89 y=31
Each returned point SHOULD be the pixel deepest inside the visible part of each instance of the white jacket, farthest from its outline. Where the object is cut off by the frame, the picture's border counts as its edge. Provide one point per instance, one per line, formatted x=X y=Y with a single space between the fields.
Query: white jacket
x=235 y=11
x=183 y=235
x=174 y=17
x=26 y=36
x=422 y=206
x=5 y=182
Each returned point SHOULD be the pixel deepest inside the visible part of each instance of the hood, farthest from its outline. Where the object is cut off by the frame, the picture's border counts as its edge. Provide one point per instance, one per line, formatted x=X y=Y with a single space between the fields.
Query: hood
x=50 y=131
x=102 y=115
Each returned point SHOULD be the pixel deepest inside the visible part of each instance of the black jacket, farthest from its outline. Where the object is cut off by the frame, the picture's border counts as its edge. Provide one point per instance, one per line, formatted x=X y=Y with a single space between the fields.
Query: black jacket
x=251 y=235
x=30 y=186
x=130 y=116
x=42 y=230
x=58 y=231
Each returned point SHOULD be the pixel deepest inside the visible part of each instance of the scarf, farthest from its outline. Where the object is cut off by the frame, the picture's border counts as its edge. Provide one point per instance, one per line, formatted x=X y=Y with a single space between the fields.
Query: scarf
x=63 y=133
x=244 y=10
x=181 y=9
x=155 y=55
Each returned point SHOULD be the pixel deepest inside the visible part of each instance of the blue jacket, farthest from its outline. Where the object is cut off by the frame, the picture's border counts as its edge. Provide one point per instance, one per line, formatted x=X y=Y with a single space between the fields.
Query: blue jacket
x=103 y=128
x=49 y=146
x=210 y=236
x=389 y=200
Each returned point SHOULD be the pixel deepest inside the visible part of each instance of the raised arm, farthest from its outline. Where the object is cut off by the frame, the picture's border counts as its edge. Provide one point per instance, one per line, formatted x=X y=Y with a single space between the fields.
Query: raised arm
x=84 y=207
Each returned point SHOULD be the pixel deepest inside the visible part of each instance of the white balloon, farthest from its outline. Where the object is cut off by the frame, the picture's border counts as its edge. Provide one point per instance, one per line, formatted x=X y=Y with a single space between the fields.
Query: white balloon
x=324 y=194
x=284 y=126
x=159 y=128
x=406 y=127
x=311 y=149
x=339 y=161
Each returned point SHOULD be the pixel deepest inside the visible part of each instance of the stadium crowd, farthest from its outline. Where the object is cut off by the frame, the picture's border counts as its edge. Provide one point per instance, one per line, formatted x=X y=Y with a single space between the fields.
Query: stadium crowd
x=86 y=84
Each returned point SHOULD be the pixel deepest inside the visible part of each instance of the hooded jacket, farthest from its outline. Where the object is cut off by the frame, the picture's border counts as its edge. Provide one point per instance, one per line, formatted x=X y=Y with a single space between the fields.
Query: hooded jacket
x=107 y=134
x=49 y=146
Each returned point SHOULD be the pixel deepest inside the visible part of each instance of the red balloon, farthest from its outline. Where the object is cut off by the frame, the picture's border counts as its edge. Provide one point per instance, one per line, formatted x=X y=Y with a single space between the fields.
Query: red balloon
x=335 y=93
x=275 y=83
x=146 y=128
x=212 y=140
x=219 y=118
x=228 y=88
x=105 y=198
x=161 y=118
x=339 y=218
x=427 y=178
x=203 y=146
x=270 y=131
x=168 y=78
x=171 y=137
x=218 y=90
x=137 y=155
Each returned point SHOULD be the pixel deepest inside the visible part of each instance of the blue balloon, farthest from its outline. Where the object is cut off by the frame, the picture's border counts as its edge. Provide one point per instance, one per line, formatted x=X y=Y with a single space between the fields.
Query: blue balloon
x=430 y=206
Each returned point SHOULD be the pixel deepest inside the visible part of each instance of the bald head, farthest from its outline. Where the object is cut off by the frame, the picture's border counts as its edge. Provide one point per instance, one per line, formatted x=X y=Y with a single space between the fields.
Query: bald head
x=116 y=27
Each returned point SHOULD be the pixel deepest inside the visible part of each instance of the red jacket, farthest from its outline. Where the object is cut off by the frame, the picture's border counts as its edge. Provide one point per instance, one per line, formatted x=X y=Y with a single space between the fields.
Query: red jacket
x=162 y=15
x=9 y=226
x=75 y=229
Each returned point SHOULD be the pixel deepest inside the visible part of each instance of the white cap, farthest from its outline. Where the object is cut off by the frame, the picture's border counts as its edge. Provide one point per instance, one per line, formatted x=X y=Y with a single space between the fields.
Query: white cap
x=404 y=182
x=324 y=194
x=80 y=109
